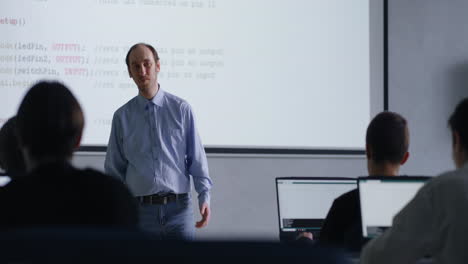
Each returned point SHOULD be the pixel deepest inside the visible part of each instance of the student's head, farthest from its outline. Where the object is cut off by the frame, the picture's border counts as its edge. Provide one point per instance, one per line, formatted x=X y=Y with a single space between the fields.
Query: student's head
x=387 y=140
x=458 y=123
x=50 y=122
x=11 y=158
x=143 y=67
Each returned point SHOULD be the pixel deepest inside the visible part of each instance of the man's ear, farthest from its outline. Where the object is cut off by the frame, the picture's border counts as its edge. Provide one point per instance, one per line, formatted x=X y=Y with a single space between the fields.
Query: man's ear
x=458 y=152
x=456 y=140
x=457 y=144
x=368 y=152
x=78 y=140
x=158 y=66
x=405 y=158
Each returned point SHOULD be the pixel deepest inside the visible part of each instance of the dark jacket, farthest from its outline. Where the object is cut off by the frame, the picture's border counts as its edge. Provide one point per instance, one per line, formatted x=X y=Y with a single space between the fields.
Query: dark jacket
x=342 y=226
x=57 y=194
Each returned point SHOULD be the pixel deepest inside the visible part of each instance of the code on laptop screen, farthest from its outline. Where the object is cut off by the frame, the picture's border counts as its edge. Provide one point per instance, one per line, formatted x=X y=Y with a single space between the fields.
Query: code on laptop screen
x=304 y=203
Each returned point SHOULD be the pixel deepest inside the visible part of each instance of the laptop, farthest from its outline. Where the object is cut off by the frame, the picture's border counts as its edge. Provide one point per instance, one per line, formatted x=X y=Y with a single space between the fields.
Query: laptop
x=303 y=203
x=381 y=198
x=4 y=179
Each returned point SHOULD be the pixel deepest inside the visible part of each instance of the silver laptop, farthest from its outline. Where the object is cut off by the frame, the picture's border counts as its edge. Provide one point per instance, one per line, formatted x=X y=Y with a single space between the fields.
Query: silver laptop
x=303 y=203
x=381 y=198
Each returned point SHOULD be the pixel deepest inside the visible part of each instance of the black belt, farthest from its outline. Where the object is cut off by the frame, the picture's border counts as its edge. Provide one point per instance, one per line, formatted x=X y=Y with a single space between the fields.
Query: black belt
x=161 y=198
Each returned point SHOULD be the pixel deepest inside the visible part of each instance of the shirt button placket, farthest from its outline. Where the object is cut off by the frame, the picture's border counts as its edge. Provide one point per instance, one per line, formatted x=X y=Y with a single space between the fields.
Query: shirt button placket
x=153 y=142
x=155 y=135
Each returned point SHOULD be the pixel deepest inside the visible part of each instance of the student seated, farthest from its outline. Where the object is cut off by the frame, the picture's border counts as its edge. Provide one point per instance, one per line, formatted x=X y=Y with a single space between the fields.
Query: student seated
x=387 y=141
x=11 y=158
x=435 y=222
x=53 y=193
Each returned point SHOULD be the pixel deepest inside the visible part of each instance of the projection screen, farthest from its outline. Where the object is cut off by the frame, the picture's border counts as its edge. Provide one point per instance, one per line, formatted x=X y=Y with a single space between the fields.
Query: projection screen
x=259 y=74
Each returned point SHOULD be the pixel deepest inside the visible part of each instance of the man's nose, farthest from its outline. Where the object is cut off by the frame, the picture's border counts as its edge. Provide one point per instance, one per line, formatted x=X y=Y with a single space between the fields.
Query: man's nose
x=142 y=71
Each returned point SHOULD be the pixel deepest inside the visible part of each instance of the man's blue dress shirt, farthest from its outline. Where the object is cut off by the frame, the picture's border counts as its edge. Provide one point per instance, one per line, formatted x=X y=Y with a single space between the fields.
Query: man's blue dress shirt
x=154 y=147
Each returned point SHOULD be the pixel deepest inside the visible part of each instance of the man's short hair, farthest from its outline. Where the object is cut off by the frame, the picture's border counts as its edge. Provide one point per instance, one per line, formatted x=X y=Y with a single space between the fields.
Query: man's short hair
x=458 y=122
x=387 y=137
x=153 y=50
x=50 y=121
x=11 y=157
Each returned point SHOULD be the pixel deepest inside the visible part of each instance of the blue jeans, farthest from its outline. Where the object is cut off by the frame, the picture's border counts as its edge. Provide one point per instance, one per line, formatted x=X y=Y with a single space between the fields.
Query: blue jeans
x=169 y=221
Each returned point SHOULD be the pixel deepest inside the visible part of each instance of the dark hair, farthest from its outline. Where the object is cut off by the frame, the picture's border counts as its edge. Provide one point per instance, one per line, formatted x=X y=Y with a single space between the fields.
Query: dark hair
x=387 y=137
x=458 y=122
x=50 y=121
x=11 y=157
x=153 y=50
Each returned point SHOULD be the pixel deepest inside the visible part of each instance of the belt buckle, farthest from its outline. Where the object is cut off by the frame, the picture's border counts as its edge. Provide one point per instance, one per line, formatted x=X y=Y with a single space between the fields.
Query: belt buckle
x=164 y=201
x=156 y=199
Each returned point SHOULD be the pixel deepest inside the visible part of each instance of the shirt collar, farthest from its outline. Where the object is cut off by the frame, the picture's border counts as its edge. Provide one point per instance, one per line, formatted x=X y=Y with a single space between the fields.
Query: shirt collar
x=158 y=99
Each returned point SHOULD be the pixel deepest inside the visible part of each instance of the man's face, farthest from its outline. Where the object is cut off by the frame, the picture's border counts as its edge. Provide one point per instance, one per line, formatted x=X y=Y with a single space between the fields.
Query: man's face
x=144 y=70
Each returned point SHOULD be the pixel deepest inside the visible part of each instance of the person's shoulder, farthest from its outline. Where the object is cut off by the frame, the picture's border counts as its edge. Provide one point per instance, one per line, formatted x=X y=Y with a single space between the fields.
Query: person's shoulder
x=128 y=106
x=346 y=202
x=29 y=184
x=451 y=180
x=101 y=180
x=90 y=171
x=348 y=196
x=95 y=174
x=176 y=101
x=35 y=177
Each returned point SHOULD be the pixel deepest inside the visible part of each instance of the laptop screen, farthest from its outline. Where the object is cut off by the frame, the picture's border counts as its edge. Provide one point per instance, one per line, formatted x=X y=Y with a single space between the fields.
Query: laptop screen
x=4 y=179
x=303 y=203
x=381 y=199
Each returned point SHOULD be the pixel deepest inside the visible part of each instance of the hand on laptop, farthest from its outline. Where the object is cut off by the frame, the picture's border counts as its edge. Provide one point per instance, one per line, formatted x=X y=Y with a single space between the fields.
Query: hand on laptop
x=308 y=235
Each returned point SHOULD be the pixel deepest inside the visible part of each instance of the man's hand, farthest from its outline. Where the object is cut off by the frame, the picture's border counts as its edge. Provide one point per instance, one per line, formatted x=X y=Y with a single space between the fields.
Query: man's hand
x=205 y=213
x=306 y=235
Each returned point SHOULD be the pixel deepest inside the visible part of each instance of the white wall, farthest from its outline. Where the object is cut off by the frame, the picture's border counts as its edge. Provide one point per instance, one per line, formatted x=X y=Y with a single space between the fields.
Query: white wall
x=428 y=75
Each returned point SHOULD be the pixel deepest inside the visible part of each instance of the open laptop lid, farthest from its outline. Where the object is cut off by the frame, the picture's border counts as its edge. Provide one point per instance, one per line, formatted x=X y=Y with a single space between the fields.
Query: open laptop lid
x=381 y=198
x=304 y=202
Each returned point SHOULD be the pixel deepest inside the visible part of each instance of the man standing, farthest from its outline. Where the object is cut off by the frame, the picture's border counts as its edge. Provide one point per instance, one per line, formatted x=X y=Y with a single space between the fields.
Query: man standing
x=154 y=147
x=435 y=222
